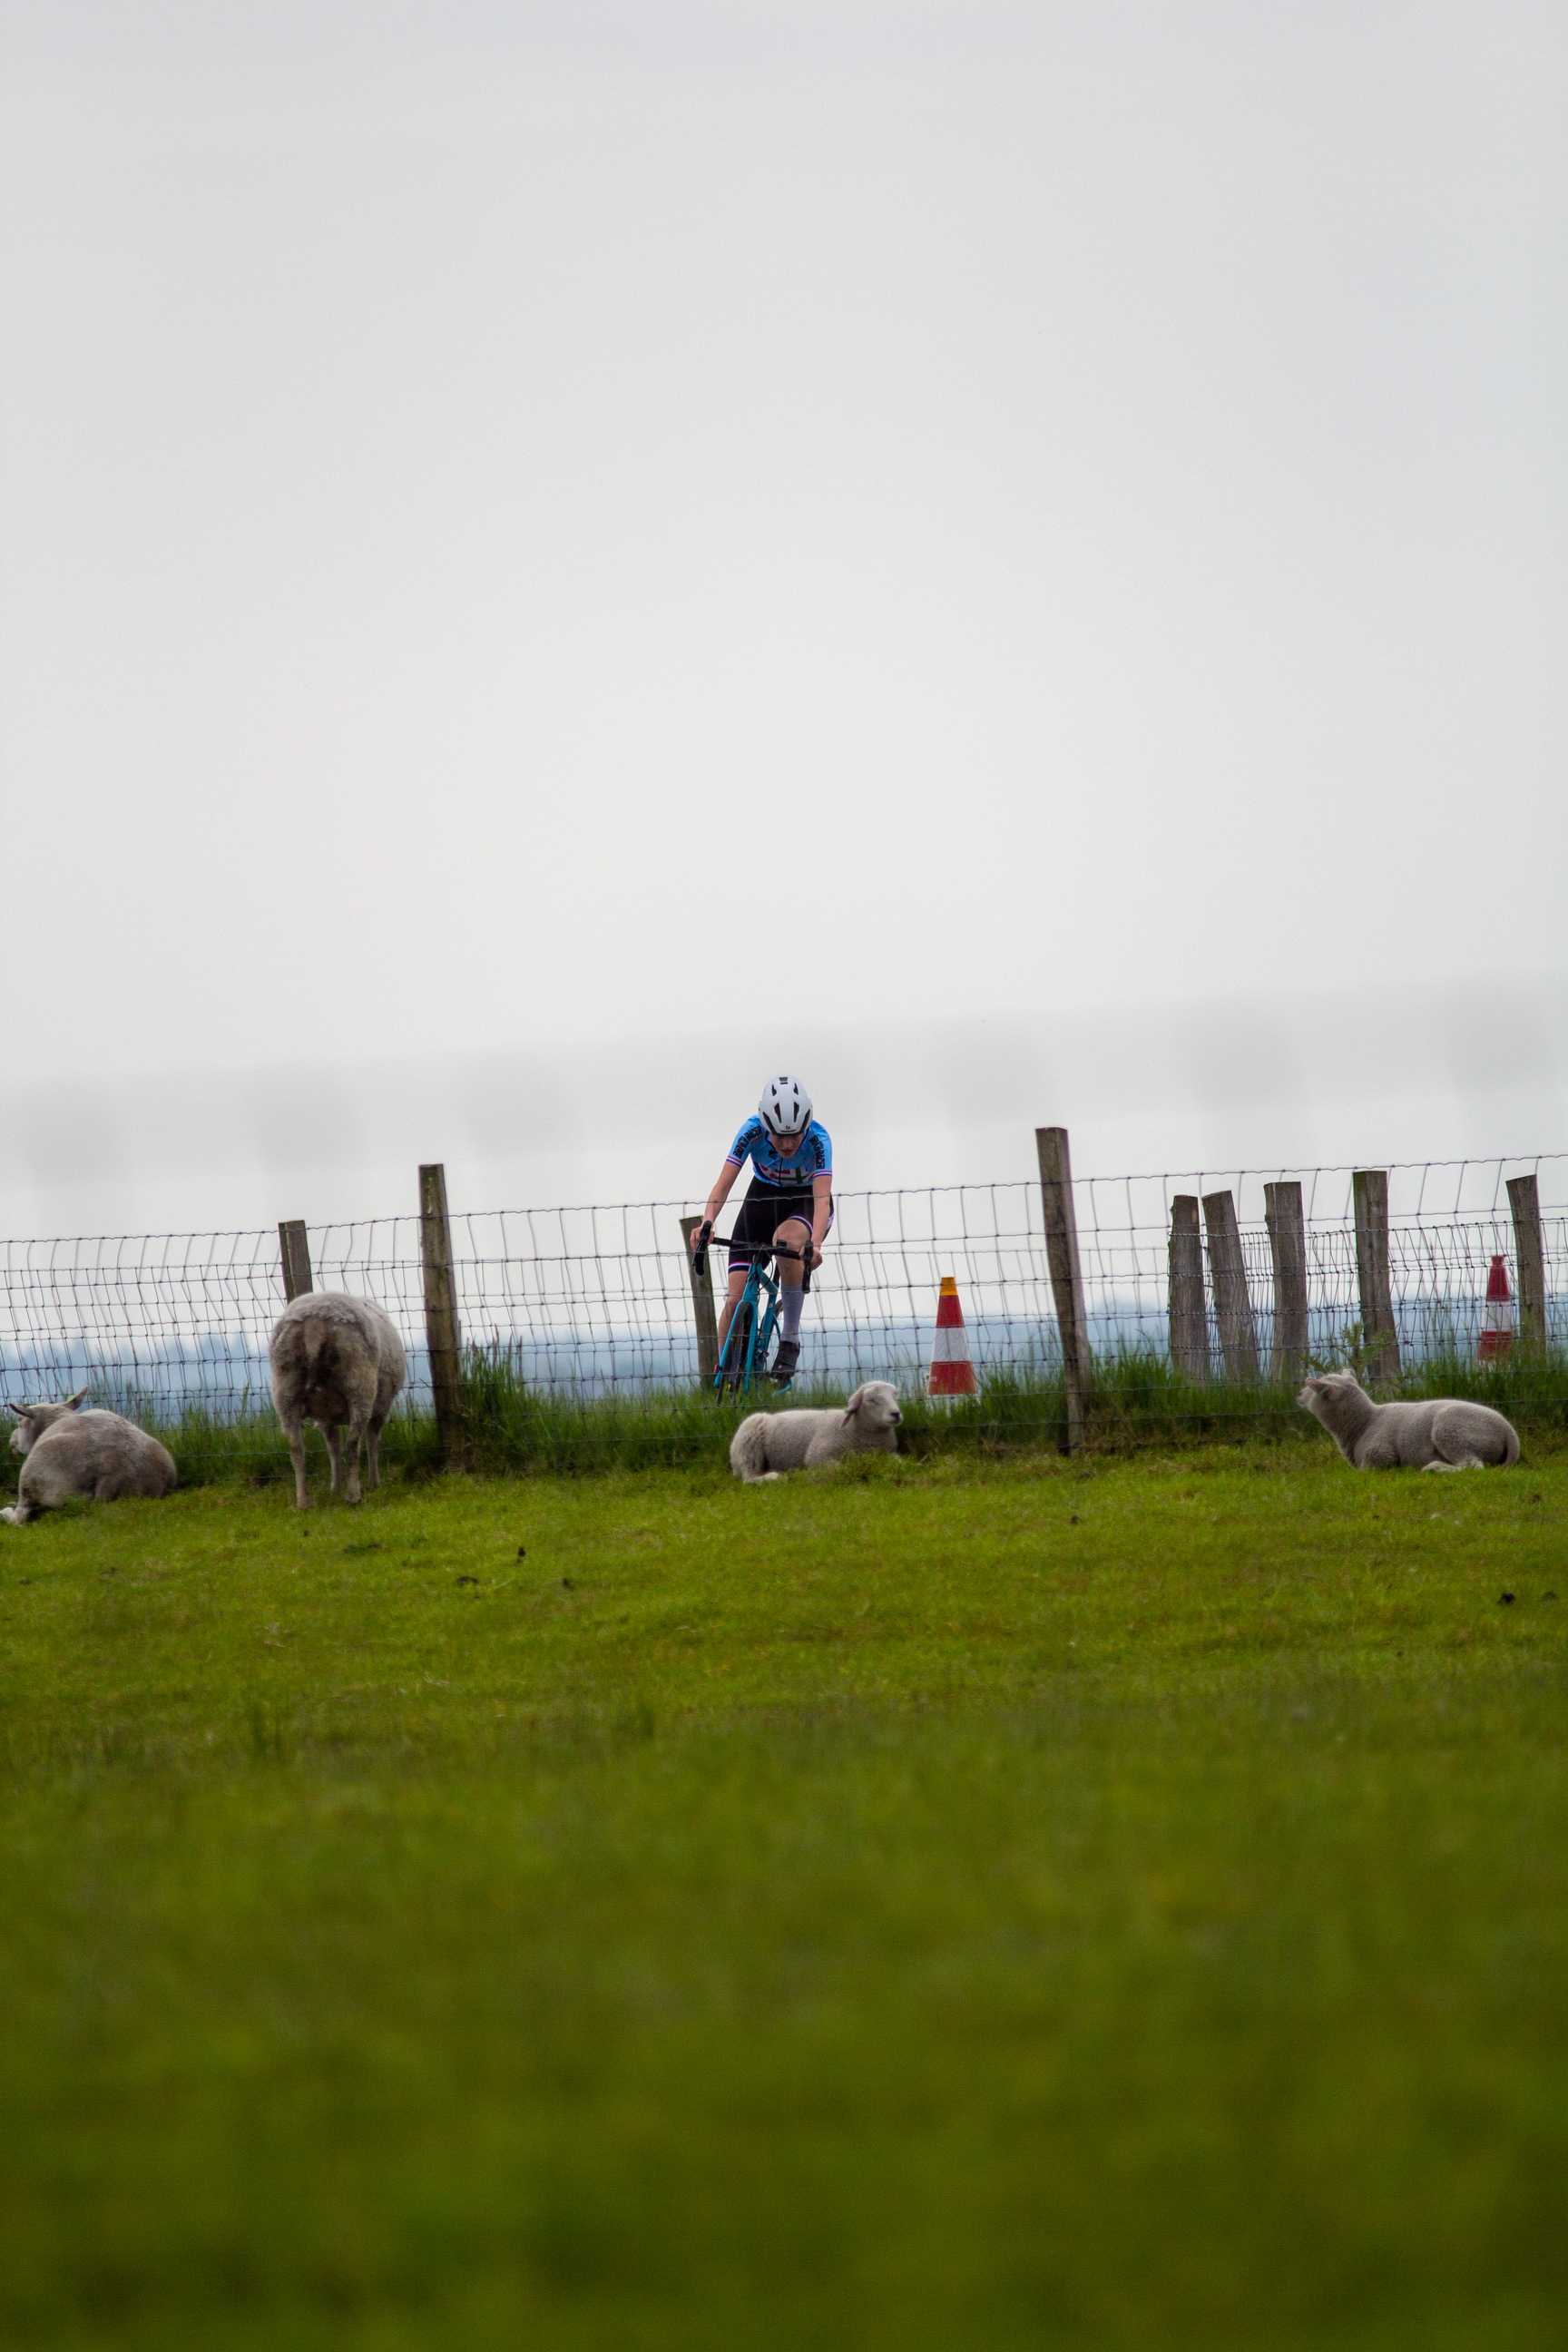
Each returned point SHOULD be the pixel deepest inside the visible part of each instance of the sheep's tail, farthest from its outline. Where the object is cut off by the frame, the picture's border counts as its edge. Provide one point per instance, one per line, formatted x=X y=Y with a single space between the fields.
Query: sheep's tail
x=317 y=1341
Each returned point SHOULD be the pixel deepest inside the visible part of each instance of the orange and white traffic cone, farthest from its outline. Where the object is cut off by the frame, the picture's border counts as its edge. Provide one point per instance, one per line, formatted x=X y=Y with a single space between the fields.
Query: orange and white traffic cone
x=1497 y=1322
x=952 y=1372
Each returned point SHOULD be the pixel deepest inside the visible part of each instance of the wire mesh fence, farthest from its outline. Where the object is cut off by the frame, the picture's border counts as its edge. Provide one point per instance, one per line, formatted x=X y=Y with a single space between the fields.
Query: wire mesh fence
x=590 y=1303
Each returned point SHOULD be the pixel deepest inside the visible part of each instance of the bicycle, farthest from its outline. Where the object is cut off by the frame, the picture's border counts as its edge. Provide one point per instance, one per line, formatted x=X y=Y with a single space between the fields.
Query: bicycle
x=743 y=1358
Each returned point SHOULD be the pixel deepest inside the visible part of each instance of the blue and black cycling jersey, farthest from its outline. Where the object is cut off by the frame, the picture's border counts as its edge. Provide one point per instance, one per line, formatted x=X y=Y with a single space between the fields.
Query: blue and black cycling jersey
x=812 y=1156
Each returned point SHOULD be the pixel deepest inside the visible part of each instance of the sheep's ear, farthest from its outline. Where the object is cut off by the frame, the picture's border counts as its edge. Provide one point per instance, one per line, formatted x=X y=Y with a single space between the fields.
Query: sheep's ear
x=74 y=1402
x=852 y=1408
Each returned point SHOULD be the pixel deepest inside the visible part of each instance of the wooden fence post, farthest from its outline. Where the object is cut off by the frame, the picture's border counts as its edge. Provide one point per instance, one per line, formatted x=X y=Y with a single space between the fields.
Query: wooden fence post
x=1288 y=1248
x=441 y=1333
x=1524 y=1200
x=1227 y=1272
x=296 y=1254
x=701 y=1305
x=1067 y=1275
x=1189 y=1322
x=1370 y=1186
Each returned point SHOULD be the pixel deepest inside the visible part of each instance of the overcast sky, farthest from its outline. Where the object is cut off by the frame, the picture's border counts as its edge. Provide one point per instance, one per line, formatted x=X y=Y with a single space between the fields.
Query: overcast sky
x=559 y=559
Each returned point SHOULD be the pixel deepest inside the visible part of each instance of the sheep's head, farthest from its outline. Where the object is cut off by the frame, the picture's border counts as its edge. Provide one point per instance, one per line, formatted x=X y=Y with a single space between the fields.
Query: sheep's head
x=1320 y=1396
x=873 y=1406
x=32 y=1419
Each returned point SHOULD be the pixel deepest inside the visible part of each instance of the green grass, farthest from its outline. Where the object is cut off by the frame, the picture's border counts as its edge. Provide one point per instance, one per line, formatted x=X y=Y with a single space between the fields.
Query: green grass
x=944 y=1902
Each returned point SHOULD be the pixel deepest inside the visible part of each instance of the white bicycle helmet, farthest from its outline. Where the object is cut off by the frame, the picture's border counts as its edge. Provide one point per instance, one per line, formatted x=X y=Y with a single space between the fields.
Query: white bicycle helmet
x=785 y=1106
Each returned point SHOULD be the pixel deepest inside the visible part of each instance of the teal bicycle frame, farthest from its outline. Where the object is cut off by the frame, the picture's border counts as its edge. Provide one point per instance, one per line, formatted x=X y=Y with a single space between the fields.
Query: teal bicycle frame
x=742 y=1358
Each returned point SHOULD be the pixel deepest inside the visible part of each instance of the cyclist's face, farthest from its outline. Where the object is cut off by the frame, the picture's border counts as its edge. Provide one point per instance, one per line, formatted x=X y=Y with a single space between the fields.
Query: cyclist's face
x=788 y=1145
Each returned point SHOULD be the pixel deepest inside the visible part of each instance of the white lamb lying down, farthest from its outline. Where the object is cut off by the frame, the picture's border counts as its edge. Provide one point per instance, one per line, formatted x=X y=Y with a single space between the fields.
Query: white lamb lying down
x=76 y=1456
x=337 y=1362
x=770 y=1443
x=1438 y=1433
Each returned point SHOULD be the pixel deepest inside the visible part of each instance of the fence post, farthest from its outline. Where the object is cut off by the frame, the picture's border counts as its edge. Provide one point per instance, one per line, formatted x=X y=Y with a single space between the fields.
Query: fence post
x=1288 y=1248
x=441 y=1334
x=1189 y=1323
x=1524 y=1200
x=296 y=1254
x=1227 y=1270
x=1370 y=1186
x=701 y=1305
x=1067 y=1275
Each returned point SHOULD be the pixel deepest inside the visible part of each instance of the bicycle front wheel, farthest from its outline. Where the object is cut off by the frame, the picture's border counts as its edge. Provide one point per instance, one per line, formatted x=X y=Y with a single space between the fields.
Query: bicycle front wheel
x=735 y=1371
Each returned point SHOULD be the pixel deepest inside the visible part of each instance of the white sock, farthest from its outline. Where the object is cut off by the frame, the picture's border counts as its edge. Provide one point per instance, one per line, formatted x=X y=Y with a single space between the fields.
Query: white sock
x=790 y=1304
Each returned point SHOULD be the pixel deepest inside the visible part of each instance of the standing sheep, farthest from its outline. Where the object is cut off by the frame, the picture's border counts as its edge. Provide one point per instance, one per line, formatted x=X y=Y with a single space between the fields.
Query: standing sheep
x=768 y=1444
x=337 y=1362
x=76 y=1456
x=1438 y=1433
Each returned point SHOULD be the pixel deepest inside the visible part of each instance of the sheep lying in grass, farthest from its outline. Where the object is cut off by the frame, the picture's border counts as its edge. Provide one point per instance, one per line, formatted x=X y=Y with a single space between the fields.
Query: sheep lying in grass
x=337 y=1362
x=770 y=1443
x=1438 y=1433
x=76 y=1456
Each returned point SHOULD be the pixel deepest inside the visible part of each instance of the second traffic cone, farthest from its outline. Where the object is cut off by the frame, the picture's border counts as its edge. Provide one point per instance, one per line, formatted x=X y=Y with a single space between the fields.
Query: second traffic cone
x=952 y=1372
x=1497 y=1323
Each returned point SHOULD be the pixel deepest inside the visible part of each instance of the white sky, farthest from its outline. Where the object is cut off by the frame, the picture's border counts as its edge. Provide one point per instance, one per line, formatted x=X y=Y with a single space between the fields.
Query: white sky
x=555 y=560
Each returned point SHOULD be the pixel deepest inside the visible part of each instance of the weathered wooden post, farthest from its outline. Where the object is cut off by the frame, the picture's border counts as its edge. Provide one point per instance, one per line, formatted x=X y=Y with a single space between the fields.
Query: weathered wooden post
x=296 y=1254
x=1524 y=1200
x=1067 y=1275
x=1227 y=1272
x=1189 y=1322
x=441 y=1333
x=1288 y=1248
x=1370 y=1187
x=701 y=1305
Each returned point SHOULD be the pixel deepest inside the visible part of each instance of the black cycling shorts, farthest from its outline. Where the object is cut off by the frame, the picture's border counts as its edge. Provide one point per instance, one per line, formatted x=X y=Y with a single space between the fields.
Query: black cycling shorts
x=764 y=1211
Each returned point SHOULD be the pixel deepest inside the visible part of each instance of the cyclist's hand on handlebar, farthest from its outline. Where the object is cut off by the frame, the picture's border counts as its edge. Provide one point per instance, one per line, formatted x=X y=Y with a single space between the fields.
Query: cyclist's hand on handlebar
x=701 y=1235
x=816 y=1258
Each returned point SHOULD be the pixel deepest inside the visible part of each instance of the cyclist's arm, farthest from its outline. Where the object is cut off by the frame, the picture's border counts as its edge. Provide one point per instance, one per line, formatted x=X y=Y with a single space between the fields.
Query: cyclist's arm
x=722 y=1184
x=821 y=1210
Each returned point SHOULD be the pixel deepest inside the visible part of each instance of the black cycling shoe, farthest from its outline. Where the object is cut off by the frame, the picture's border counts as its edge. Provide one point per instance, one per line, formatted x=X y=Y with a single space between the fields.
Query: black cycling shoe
x=784 y=1362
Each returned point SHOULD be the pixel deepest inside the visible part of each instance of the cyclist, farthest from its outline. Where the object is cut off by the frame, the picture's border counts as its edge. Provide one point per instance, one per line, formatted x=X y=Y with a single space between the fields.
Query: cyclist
x=789 y=1201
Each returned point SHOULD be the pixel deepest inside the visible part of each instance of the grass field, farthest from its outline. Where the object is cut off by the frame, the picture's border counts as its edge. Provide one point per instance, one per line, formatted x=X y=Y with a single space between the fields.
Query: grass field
x=937 y=1904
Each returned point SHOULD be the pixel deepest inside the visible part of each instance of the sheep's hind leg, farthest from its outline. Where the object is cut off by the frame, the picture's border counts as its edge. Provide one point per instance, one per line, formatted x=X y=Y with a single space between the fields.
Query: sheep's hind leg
x=334 y=1437
x=356 y=1438
x=296 y=1436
